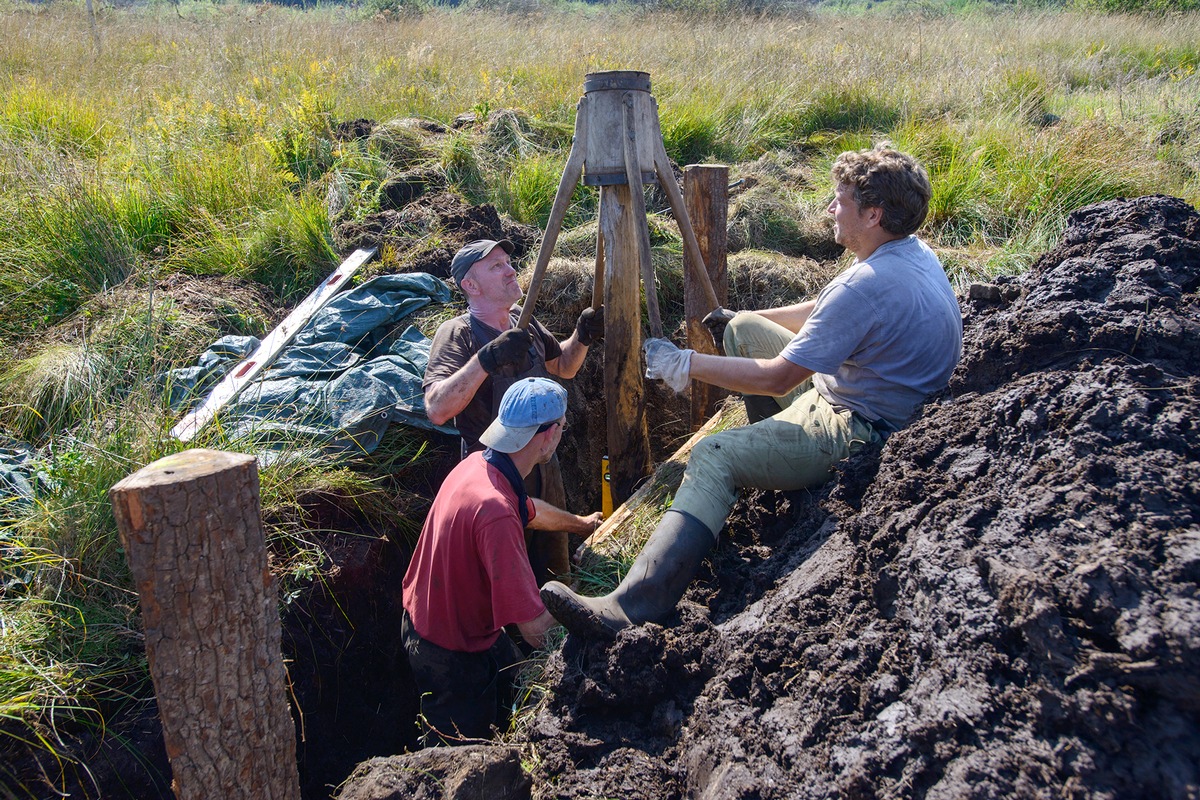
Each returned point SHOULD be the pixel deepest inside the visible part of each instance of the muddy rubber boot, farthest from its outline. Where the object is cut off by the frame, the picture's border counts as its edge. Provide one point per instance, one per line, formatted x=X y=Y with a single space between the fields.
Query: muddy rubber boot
x=759 y=407
x=649 y=591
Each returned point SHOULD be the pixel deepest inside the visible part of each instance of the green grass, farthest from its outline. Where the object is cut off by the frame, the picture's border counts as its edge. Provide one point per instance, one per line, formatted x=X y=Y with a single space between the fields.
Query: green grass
x=201 y=140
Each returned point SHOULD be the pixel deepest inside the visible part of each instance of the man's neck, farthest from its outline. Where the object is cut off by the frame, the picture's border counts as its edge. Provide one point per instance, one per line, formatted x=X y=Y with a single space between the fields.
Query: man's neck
x=498 y=317
x=525 y=460
x=867 y=249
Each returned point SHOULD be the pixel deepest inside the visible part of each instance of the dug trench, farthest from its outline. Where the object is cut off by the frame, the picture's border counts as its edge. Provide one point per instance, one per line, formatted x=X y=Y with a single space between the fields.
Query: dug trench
x=1002 y=601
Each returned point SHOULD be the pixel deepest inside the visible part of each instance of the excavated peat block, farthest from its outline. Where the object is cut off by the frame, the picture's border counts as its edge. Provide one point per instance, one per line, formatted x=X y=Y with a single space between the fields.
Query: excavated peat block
x=1002 y=602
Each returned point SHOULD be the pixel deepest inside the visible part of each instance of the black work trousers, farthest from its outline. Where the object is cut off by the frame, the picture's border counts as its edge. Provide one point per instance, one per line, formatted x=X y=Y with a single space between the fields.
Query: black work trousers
x=463 y=695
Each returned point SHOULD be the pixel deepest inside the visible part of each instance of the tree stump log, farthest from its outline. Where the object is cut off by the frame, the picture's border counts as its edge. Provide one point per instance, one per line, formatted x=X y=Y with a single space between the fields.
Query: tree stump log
x=191 y=530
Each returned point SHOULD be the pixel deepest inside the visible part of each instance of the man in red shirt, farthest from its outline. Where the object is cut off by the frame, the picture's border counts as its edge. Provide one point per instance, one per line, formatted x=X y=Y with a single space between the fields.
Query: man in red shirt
x=470 y=575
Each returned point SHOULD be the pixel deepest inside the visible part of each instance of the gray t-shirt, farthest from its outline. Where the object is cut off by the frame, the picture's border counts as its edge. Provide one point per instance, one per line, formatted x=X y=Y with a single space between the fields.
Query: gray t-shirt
x=884 y=334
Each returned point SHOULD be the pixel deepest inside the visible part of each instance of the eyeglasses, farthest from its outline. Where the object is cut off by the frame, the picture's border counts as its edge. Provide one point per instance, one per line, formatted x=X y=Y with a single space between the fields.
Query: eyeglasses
x=548 y=425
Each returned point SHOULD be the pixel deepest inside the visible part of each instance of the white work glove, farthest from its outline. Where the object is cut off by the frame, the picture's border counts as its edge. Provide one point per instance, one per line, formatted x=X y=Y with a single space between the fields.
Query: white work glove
x=666 y=362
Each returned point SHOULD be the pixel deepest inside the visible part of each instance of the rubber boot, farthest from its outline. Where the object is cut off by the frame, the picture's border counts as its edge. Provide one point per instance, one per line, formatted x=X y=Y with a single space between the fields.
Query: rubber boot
x=649 y=591
x=759 y=407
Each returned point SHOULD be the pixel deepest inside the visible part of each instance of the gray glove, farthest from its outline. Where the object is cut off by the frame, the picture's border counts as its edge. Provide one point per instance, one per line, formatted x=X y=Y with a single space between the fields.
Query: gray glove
x=666 y=362
x=716 y=320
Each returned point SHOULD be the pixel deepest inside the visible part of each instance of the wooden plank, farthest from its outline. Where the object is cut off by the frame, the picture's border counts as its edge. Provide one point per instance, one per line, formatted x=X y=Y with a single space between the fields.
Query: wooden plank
x=251 y=367
x=652 y=494
x=706 y=195
x=624 y=390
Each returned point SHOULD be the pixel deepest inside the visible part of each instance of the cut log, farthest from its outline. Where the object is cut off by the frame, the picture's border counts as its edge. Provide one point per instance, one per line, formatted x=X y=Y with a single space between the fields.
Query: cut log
x=191 y=530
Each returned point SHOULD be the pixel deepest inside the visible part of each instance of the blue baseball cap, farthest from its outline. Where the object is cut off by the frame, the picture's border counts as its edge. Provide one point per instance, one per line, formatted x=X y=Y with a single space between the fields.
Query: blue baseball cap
x=526 y=406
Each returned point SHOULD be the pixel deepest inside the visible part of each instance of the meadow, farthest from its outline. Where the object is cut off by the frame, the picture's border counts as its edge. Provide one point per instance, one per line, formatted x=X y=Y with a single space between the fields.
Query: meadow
x=197 y=140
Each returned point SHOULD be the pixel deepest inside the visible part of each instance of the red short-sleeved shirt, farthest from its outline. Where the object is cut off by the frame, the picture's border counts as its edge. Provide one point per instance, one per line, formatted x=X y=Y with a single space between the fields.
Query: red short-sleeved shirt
x=470 y=573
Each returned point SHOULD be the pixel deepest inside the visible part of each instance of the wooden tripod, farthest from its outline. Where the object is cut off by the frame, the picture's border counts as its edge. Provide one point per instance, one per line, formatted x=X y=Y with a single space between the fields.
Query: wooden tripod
x=618 y=146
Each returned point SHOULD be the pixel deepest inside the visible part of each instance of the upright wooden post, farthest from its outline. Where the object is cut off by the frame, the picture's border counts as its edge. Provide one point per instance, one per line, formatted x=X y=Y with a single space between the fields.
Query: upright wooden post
x=191 y=530
x=706 y=196
x=628 y=437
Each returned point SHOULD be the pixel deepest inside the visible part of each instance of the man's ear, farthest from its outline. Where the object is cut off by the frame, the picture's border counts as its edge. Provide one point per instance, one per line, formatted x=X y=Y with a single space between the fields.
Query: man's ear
x=469 y=286
x=874 y=215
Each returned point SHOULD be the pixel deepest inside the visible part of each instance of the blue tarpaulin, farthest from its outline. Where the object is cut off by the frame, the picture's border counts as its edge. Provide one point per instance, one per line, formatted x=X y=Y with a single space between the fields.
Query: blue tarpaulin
x=342 y=381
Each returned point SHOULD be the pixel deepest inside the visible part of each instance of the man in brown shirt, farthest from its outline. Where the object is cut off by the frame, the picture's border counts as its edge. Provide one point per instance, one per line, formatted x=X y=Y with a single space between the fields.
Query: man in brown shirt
x=476 y=356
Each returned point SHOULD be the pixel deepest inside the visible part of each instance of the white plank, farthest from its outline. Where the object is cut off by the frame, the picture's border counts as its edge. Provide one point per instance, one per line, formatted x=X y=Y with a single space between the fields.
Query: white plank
x=270 y=347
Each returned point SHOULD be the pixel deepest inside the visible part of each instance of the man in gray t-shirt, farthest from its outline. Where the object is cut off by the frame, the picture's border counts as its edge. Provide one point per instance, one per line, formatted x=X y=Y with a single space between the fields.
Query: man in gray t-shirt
x=820 y=379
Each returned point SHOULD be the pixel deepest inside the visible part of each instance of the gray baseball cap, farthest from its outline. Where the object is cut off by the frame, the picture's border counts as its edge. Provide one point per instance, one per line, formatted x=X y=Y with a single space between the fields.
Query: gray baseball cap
x=465 y=258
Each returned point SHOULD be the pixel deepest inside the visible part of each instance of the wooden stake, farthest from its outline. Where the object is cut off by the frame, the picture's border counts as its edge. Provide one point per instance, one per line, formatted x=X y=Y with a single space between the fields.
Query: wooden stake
x=706 y=196
x=628 y=437
x=666 y=178
x=191 y=530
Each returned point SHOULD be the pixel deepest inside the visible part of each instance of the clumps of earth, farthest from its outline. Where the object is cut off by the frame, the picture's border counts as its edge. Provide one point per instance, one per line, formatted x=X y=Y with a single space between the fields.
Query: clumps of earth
x=1002 y=601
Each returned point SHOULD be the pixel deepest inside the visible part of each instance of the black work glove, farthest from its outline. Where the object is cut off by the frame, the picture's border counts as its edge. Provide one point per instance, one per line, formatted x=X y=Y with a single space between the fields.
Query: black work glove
x=507 y=353
x=590 y=326
x=716 y=320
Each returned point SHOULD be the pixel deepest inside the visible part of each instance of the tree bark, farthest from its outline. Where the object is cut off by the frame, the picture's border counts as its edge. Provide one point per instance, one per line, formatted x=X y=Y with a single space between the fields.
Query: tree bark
x=191 y=530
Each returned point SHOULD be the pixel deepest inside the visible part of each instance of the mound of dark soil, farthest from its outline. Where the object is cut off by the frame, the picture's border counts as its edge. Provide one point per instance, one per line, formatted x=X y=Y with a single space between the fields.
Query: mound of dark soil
x=1001 y=603
x=444 y=217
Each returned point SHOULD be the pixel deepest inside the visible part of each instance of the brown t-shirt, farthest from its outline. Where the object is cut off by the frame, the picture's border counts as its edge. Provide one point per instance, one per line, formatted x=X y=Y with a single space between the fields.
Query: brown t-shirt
x=454 y=343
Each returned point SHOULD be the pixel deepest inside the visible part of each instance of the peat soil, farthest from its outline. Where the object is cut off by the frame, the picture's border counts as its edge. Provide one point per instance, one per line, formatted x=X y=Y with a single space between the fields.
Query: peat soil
x=1001 y=602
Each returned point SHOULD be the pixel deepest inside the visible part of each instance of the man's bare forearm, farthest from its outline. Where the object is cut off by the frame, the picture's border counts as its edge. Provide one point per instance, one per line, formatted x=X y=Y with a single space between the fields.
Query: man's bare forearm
x=552 y=518
x=775 y=377
x=447 y=398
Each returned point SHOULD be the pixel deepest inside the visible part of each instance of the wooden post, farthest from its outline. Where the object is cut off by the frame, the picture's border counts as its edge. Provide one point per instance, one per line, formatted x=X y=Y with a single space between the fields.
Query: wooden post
x=706 y=196
x=191 y=530
x=628 y=436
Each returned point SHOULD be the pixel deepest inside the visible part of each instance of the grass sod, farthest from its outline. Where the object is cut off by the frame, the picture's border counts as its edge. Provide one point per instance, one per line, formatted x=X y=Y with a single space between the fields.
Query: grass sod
x=199 y=140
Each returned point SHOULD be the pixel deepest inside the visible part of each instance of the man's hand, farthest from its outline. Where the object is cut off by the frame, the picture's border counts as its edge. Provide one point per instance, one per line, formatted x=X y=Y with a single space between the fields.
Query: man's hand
x=716 y=320
x=590 y=523
x=668 y=363
x=590 y=326
x=508 y=353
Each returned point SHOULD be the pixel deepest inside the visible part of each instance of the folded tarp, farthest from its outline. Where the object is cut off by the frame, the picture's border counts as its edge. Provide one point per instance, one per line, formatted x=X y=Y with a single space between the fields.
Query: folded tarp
x=342 y=381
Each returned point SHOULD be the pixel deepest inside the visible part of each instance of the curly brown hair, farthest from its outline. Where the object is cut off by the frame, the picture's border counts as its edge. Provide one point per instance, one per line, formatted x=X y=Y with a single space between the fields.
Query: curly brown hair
x=889 y=180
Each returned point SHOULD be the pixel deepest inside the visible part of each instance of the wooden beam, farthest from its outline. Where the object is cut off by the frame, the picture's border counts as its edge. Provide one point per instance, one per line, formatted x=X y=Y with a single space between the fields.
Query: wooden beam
x=624 y=391
x=706 y=196
x=191 y=528
x=250 y=368
x=651 y=496
x=562 y=200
